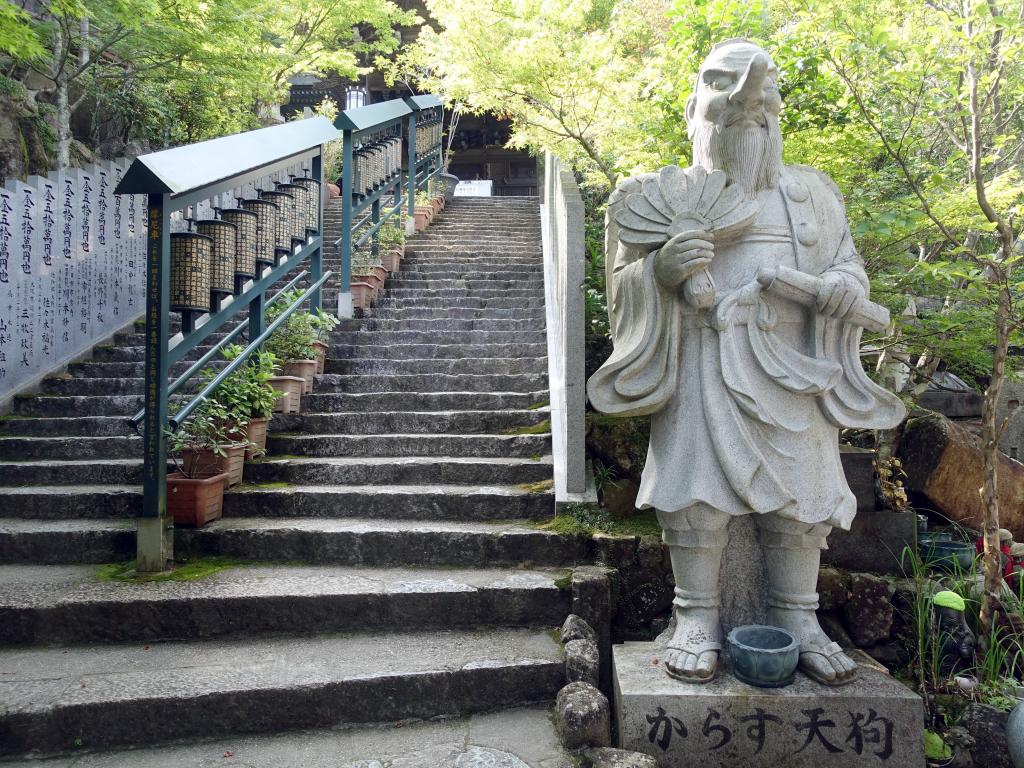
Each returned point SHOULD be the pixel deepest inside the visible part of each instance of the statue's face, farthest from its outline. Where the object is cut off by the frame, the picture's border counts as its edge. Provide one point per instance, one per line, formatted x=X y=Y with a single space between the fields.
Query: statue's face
x=735 y=87
x=733 y=116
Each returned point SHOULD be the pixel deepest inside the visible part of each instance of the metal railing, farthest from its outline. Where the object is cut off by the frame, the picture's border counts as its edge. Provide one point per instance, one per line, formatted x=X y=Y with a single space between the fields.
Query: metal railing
x=373 y=186
x=562 y=234
x=183 y=184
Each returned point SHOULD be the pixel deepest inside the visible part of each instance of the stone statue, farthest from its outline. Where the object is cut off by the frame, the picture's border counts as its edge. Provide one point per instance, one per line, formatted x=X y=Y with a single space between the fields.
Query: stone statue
x=737 y=303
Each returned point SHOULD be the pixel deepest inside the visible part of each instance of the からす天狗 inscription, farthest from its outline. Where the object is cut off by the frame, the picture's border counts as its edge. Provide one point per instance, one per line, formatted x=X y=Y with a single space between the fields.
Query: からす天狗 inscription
x=862 y=733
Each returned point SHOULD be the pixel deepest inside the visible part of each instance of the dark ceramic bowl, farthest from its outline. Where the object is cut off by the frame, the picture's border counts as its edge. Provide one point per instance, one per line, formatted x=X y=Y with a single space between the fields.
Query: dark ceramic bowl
x=949 y=555
x=764 y=656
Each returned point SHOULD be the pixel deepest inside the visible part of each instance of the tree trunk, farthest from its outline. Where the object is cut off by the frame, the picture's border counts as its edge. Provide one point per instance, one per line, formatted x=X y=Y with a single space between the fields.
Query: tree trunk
x=63 y=117
x=990 y=446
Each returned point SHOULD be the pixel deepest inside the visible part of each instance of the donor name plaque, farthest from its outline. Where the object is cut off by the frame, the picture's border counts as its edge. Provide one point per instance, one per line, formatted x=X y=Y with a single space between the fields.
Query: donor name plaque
x=872 y=721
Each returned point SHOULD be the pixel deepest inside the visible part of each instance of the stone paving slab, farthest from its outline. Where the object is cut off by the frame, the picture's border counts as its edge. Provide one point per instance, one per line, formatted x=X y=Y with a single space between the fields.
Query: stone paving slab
x=63 y=603
x=517 y=738
x=137 y=693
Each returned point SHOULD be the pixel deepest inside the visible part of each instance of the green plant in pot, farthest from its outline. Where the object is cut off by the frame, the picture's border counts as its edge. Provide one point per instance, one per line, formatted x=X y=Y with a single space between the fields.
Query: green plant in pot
x=323 y=324
x=292 y=342
x=249 y=396
x=195 y=491
x=424 y=211
x=391 y=239
x=227 y=425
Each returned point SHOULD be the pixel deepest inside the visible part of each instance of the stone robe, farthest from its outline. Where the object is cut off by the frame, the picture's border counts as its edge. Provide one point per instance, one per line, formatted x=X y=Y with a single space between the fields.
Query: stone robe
x=746 y=398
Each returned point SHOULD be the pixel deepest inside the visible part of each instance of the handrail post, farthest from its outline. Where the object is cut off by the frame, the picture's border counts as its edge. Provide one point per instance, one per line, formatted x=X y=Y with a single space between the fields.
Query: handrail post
x=155 y=540
x=374 y=221
x=316 y=259
x=345 y=308
x=410 y=176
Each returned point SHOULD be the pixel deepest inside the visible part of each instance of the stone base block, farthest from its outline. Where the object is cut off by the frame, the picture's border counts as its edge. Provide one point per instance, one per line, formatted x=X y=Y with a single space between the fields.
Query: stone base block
x=873 y=721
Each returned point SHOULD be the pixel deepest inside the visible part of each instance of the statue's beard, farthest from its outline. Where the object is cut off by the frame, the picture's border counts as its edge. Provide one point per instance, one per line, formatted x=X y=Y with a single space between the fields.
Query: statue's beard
x=749 y=154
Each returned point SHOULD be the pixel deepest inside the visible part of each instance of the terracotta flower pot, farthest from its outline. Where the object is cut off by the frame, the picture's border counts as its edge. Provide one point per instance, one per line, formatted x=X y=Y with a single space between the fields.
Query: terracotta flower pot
x=195 y=501
x=423 y=215
x=333 y=190
x=371 y=277
x=304 y=369
x=256 y=438
x=391 y=259
x=232 y=462
x=291 y=387
x=321 y=348
x=438 y=203
x=362 y=295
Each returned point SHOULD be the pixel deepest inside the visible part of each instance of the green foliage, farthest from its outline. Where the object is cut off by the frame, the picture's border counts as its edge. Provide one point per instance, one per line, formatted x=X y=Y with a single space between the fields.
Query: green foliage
x=206 y=431
x=935 y=748
x=293 y=340
x=588 y=519
x=246 y=393
x=323 y=324
x=191 y=570
x=19 y=37
x=390 y=236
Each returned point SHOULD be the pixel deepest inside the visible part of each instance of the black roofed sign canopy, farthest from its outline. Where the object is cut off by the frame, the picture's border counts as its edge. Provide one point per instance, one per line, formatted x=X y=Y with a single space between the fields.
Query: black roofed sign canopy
x=196 y=166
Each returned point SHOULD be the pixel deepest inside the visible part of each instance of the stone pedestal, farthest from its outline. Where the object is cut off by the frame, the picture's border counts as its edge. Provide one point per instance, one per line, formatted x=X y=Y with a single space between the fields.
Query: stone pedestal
x=873 y=721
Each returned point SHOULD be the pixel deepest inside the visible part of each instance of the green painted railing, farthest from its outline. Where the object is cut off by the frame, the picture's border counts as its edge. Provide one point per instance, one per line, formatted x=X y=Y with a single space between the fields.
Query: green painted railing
x=180 y=184
x=374 y=186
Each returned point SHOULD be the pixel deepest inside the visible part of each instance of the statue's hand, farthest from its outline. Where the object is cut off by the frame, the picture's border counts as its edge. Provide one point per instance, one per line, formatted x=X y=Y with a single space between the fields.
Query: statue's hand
x=683 y=256
x=838 y=294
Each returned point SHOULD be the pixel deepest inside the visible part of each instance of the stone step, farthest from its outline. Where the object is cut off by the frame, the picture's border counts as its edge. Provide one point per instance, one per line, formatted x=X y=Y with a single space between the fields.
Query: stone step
x=355 y=470
x=492 y=366
x=114 y=370
x=435 y=351
x=395 y=470
x=423 y=401
x=536 y=292
x=145 y=694
x=530 y=319
x=98 y=405
x=490 y=446
x=409 y=422
x=496 y=302
x=403 y=502
x=72 y=472
x=93 y=426
x=464 y=382
x=56 y=542
x=484 y=264
x=64 y=447
x=401 y=281
x=446 y=270
x=523 y=736
x=379 y=543
x=72 y=604
x=337 y=423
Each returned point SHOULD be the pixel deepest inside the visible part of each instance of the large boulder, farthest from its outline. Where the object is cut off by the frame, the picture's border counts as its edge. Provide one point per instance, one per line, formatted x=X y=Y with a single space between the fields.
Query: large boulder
x=987 y=726
x=869 y=610
x=583 y=716
x=944 y=462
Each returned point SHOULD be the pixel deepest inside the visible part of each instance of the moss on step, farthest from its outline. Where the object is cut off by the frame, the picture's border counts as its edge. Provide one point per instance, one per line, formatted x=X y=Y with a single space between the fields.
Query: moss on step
x=540 y=428
x=588 y=519
x=187 y=571
x=538 y=406
x=541 y=486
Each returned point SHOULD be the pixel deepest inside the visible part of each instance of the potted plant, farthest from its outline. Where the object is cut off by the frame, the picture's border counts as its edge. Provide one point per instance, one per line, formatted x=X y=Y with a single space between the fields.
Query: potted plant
x=248 y=396
x=323 y=324
x=228 y=454
x=391 y=240
x=423 y=212
x=292 y=343
x=195 y=491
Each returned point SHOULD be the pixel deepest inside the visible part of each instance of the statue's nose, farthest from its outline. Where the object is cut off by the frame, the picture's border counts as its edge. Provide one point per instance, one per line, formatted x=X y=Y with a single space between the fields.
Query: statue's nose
x=749 y=91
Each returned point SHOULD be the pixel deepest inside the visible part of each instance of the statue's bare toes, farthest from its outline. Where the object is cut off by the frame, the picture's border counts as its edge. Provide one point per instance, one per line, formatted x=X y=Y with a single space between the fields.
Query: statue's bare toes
x=691 y=667
x=828 y=665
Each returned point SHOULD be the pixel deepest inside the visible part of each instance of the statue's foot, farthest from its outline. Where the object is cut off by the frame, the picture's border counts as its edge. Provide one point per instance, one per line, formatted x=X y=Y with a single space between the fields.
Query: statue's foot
x=693 y=651
x=820 y=658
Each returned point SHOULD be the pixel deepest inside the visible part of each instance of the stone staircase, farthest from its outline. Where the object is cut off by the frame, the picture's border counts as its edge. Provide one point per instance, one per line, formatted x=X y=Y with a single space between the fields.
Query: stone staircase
x=383 y=563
